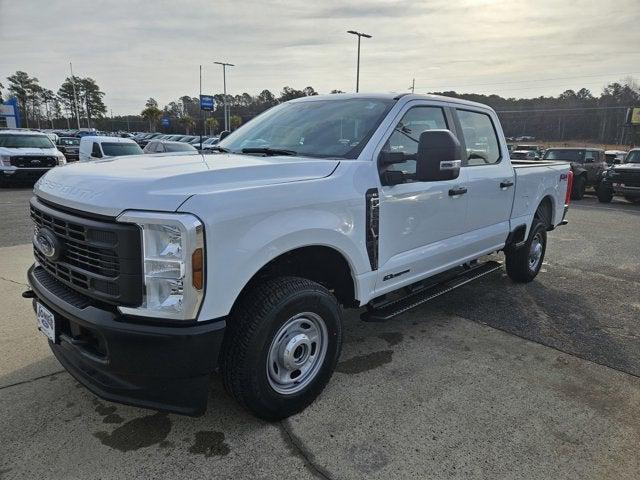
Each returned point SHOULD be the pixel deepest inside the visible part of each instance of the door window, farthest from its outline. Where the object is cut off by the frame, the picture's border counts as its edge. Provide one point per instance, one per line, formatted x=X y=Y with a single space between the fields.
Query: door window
x=406 y=135
x=480 y=138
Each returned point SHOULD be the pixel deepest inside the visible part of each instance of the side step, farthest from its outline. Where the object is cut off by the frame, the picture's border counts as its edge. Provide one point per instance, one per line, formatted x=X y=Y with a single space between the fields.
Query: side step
x=385 y=310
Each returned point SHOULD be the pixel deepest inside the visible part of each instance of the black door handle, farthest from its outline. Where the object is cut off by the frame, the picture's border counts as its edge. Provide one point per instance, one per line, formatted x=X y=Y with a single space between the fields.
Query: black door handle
x=457 y=191
x=506 y=184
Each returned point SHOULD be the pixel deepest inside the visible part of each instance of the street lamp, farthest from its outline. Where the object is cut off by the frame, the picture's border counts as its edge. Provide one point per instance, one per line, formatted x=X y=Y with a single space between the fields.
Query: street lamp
x=224 y=82
x=353 y=32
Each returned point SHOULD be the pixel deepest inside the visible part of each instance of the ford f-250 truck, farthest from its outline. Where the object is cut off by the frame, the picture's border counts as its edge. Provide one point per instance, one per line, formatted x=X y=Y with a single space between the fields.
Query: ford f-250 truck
x=150 y=273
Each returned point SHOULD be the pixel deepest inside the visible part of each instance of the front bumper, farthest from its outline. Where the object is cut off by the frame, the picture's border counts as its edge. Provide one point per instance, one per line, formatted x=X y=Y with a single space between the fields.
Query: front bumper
x=627 y=191
x=153 y=366
x=8 y=173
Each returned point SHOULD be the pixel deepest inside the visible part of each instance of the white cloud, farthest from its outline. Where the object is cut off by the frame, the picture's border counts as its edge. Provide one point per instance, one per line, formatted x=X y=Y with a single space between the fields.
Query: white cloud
x=136 y=49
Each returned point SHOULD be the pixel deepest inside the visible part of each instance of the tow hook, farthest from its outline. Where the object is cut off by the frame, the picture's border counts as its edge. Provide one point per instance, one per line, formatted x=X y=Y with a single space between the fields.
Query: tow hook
x=28 y=294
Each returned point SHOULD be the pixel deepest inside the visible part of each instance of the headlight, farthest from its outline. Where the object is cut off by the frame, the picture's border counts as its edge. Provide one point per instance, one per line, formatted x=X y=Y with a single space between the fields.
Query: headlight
x=173 y=264
x=5 y=160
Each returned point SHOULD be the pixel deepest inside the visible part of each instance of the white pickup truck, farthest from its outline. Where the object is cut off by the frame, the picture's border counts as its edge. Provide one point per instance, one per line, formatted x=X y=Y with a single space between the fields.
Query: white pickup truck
x=151 y=273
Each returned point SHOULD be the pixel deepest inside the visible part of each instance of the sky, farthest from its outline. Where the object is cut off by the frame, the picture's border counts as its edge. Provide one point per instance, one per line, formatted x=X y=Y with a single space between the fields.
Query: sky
x=139 y=49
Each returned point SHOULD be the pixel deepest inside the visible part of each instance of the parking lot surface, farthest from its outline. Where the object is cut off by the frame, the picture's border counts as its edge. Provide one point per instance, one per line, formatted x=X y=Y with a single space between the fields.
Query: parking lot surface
x=494 y=380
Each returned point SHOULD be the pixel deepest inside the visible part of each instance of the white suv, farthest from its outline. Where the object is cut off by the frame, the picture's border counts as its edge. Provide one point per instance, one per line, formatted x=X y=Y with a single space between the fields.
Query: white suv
x=26 y=155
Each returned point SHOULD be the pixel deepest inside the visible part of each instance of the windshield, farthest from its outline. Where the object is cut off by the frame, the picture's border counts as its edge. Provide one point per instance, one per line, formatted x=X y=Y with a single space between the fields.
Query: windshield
x=69 y=141
x=116 y=149
x=633 y=157
x=25 y=141
x=321 y=128
x=565 y=155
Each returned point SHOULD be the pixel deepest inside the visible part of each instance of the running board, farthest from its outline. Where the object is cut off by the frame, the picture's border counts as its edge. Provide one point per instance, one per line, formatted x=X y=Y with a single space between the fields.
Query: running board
x=385 y=310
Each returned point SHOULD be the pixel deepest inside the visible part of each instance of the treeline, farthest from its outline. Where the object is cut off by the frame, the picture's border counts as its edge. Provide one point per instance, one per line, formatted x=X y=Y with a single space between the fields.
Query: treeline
x=572 y=115
x=40 y=106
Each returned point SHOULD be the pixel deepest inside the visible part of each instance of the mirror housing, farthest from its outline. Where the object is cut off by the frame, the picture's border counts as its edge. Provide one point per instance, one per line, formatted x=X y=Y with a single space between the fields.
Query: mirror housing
x=439 y=156
x=224 y=134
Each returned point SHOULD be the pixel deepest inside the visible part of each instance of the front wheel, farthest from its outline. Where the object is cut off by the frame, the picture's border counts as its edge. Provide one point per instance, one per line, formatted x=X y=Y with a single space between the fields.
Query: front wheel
x=281 y=346
x=524 y=263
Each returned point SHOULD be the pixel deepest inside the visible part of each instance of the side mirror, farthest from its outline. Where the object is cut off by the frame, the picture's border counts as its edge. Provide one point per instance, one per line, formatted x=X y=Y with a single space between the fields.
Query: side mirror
x=439 y=156
x=224 y=134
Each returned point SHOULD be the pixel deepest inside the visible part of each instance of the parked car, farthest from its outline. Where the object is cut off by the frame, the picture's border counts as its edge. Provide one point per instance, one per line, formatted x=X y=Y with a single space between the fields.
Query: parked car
x=524 y=155
x=245 y=259
x=587 y=165
x=93 y=148
x=208 y=144
x=623 y=179
x=26 y=155
x=614 y=157
x=147 y=138
x=164 y=146
x=70 y=147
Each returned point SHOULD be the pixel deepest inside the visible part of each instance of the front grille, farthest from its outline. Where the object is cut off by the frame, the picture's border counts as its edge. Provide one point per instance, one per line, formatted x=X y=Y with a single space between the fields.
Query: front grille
x=628 y=177
x=34 y=161
x=99 y=259
x=60 y=290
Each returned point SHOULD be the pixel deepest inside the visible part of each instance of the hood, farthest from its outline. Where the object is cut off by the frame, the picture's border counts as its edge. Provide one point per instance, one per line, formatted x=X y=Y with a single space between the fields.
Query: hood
x=163 y=183
x=626 y=166
x=28 y=151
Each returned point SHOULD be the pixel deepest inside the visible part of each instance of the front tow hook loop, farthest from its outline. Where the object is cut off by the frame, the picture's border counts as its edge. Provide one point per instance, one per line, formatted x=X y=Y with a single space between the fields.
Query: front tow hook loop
x=28 y=294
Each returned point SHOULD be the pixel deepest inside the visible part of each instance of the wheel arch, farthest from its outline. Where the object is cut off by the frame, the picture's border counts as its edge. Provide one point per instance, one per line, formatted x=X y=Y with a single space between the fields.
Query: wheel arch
x=320 y=263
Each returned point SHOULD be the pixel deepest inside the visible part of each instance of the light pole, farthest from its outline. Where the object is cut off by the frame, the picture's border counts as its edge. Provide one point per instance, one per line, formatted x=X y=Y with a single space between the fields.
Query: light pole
x=353 y=32
x=224 y=83
x=75 y=97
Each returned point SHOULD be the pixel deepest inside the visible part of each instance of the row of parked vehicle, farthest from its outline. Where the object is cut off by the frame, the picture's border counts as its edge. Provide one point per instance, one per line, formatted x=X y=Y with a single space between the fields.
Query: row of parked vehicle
x=204 y=142
x=608 y=172
x=25 y=155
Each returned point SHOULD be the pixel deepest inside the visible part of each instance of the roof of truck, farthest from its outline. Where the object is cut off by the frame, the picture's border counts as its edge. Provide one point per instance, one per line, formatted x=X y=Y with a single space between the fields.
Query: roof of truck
x=390 y=96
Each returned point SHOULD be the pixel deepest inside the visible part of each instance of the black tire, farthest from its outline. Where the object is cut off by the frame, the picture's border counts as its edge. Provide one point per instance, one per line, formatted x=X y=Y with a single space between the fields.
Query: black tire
x=249 y=340
x=518 y=263
x=579 y=186
x=605 y=193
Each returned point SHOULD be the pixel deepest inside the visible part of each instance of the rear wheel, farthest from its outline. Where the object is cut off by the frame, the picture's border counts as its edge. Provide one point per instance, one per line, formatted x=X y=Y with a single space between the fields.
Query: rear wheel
x=281 y=346
x=579 y=186
x=524 y=263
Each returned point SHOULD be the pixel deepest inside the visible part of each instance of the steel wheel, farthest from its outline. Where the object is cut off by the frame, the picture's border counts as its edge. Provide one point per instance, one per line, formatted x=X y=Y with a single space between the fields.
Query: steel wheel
x=535 y=252
x=296 y=353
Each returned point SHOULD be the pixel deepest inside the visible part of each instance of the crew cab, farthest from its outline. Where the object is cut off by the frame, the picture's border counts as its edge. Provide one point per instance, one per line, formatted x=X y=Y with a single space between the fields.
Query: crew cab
x=26 y=155
x=153 y=271
x=587 y=165
x=623 y=179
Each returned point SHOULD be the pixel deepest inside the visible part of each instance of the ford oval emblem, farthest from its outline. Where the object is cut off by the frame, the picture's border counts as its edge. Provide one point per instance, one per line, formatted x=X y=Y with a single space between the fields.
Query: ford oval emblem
x=47 y=243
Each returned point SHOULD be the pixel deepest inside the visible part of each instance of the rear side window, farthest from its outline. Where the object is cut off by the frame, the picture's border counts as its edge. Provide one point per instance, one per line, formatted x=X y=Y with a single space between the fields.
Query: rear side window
x=480 y=138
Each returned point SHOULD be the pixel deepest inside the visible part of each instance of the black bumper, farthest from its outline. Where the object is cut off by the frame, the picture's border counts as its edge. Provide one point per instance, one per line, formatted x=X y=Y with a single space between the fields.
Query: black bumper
x=159 y=367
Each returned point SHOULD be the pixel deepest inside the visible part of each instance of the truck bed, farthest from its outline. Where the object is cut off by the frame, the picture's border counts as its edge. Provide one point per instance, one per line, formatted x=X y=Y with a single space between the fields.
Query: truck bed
x=536 y=179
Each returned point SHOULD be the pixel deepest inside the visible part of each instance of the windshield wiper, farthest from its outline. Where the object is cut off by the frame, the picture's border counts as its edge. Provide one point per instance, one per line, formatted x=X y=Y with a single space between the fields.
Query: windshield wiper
x=269 y=151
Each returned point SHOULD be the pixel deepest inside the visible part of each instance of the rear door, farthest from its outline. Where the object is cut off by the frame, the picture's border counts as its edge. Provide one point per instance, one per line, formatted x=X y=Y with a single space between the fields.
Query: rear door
x=489 y=177
x=419 y=222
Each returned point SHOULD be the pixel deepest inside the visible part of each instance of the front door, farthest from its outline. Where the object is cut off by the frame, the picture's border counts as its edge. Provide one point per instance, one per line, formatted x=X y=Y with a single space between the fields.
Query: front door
x=419 y=222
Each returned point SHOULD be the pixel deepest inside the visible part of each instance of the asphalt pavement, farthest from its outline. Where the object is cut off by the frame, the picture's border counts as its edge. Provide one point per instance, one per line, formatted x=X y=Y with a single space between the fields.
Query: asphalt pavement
x=493 y=380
